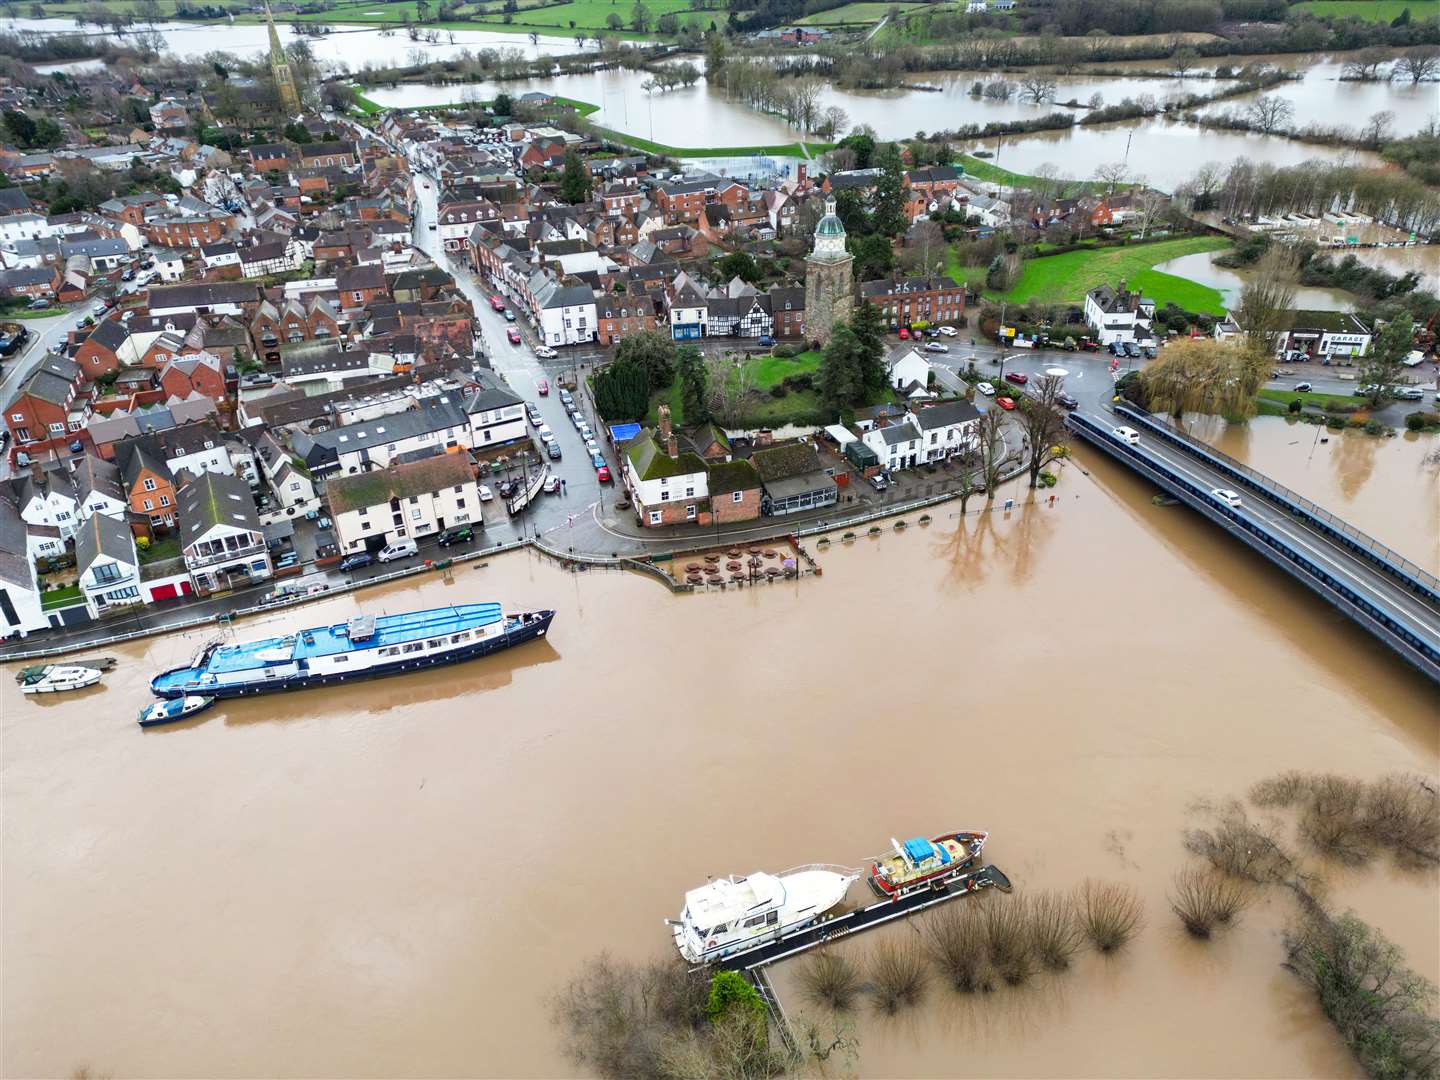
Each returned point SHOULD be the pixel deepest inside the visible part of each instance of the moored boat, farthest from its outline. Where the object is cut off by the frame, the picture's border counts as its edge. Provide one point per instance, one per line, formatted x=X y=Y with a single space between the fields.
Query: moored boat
x=56 y=678
x=733 y=914
x=172 y=709
x=365 y=647
x=920 y=863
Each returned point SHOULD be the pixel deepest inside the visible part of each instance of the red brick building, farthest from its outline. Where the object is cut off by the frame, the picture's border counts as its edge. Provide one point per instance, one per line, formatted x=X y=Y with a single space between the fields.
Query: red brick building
x=98 y=354
x=195 y=373
x=623 y=314
x=340 y=153
x=907 y=301
x=190 y=230
x=48 y=408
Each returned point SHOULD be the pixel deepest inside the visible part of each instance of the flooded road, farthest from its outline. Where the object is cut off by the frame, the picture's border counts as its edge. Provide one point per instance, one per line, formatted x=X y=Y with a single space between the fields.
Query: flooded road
x=388 y=879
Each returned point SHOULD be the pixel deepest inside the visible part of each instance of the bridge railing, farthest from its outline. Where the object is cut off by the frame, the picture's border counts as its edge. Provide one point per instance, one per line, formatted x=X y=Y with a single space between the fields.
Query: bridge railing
x=1338 y=528
x=1379 y=617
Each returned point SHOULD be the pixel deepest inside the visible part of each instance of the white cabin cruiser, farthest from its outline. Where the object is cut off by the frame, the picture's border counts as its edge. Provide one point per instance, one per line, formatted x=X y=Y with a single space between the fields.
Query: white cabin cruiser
x=730 y=915
x=56 y=678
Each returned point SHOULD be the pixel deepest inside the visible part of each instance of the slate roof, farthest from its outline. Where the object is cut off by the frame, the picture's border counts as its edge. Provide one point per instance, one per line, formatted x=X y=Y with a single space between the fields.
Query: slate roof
x=50 y=380
x=103 y=535
x=432 y=415
x=946 y=414
x=899 y=433
x=426 y=475
x=15 y=568
x=95 y=474
x=163 y=297
x=213 y=499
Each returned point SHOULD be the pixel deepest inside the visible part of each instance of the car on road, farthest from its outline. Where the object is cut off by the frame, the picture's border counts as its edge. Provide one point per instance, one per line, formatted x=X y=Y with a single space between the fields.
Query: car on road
x=401 y=549
x=553 y=449
x=1302 y=387
x=765 y=341
x=878 y=483
x=949 y=331
x=543 y=386
x=551 y=486
x=935 y=346
x=1151 y=352
x=1409 y=393
x=509 y=315
x=904 y=333
x=497 y=303
x=1128 y=435
x=545 y=352
x=513 y=336
x=1019 y=378
x=1005 y=402
x=1132 y=350
x=459 y=534
x=485 y=493
x=597 y=459
x=1367 y=389
x=603 y=474
x=1226 y=496
x=354 y=562
x=1066 y=401
x=986 y=389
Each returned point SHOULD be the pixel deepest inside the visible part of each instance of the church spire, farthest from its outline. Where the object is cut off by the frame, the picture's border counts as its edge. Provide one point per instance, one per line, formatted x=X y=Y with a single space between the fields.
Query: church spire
x=280 y=69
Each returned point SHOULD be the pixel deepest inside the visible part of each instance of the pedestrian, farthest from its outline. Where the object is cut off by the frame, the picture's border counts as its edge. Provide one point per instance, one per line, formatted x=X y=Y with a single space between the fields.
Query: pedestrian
x=562 y=485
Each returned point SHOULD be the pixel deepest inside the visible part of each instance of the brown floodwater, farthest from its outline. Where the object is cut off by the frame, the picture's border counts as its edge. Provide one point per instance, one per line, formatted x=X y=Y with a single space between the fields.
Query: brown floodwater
x=389 y=879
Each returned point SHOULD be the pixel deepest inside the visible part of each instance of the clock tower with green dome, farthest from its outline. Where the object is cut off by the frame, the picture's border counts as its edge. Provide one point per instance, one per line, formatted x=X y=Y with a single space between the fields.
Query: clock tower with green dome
x=829 y=278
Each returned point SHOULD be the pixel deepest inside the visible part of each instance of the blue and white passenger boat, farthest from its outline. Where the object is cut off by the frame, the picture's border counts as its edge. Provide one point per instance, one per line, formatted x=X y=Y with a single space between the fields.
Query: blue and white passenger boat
x=366 y=647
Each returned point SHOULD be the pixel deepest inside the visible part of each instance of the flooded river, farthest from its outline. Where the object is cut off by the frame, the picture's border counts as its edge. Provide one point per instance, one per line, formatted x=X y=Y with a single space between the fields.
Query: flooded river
x=389 y=879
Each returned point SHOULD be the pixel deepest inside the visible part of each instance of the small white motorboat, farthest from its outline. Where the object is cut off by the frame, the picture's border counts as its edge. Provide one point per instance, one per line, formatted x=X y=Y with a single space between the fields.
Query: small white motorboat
x=57 y=678
x=173 y=709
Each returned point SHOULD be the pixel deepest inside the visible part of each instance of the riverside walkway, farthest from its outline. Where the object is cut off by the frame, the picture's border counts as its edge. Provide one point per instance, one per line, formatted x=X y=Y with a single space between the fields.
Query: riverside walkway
x=1391 y=597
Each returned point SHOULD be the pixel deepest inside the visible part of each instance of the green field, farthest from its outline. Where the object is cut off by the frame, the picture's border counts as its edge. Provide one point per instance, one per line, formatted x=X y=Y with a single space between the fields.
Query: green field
x=765 y=372
x=577 y=16
x=1055 y=279
x=1372 y=10
x=1166 y=288
x=863 y=11
x=993 y=174
x=794 y=149
x=971 y=276
x=1320 y=401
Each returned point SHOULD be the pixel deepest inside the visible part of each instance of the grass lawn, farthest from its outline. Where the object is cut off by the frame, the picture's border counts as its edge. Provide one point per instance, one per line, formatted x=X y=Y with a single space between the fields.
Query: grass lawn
x=65 y=596
x=1166 y=288
x=365 y=105
x=765 y=410
x=1056 y=279
x=863 y=11
x=1319 y=401
x=984 y=170
x=561 y=20
x=1373 y=10
x=160 y=550
x=972 y=276
x=794 y=149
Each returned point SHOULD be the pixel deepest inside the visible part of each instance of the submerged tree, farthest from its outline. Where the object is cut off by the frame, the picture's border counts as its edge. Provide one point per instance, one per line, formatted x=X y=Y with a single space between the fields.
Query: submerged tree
x=1043 y=421
x=1200 y=375
x=1380 y=370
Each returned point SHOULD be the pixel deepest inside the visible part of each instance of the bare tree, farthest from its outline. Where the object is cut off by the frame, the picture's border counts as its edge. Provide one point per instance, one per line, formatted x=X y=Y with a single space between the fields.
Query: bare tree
x=1270 y=113
x=1037 y=88
x=1364 y=66
x=1378 y=128
x=1148 y=205
x=1045 y=181
x=1183 y=61
x=1419 y=63
x=1267 y=302
x=924 y=247
x=1112 y=173
x=1043 y=422
x=832 y=122
x=990 y=449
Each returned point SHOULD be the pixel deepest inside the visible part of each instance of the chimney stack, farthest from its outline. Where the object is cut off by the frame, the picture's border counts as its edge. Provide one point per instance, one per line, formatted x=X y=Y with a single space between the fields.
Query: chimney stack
x=800 y=173
x=764 y=437
x=667 y=433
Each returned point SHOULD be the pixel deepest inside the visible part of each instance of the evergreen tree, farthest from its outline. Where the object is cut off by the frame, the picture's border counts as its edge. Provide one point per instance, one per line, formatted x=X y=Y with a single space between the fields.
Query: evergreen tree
x=622 y=391
x=653 y=352
x=889 y=213
x=839 y=379
x=690 y=372
x=868 y=326
x=575 y=181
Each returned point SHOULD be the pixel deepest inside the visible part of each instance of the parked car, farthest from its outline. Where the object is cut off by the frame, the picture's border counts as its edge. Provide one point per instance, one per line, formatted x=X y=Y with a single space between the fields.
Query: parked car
x=878 y=482
x=1116 y=349
x=566 y=398
x=576 y=418
x=551 y=486
x=986 y=389
x=545 y=352
x=603 y=474
x=543 y=386
x=935 y=346
x=76 y=446
x=553 y=449
x=354 y=562
x=1132 y=350
x=1089 y=344
x=596 y=459
x=1066 y=401
x=904 y=333
x=509 y=315
x=1019 y=378
x=766 y=341
x=486 y=494
x=1302 y=387
x=497 y=303
x=949 y=331
x=1005 y=402
x=1151 y=352
x=1409 y=393
x=545 y=433
x=592 y=446
x=401 y=549
x=460 y=534
x=513 y=336
x=431 y=226
x=1226 y=496
x=38 y=304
